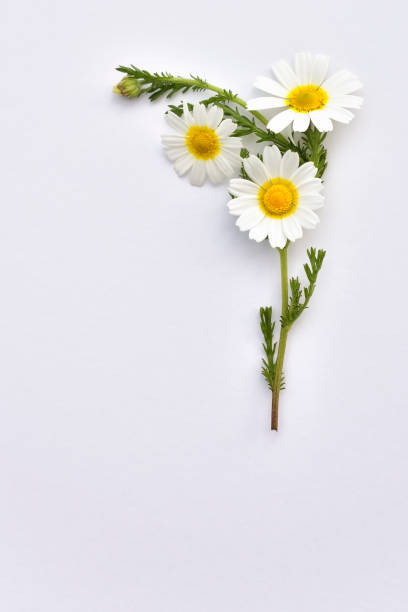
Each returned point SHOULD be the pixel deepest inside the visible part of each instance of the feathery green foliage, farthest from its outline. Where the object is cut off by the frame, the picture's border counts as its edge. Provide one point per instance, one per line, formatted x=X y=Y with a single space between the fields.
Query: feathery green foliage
x=246 y=125
x=311 y=146
x=269 y=346
x=300 y=298
x=158 y=84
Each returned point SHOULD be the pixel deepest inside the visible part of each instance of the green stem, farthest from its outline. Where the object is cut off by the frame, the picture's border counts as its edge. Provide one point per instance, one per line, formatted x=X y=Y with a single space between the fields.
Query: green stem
x=219 y=90
x=282 y=338
x=282 y=142
x=278 y=139
x=265 y=135
x=157 y=82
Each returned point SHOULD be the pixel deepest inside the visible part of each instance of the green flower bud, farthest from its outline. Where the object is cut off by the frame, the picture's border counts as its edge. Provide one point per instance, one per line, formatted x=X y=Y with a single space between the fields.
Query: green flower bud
x=128 y=87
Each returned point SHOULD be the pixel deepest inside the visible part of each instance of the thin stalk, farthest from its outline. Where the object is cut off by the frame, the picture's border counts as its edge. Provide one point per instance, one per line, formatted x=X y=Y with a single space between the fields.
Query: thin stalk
x=282 y=338
x=152 y=80
x=278 y=139
x=221 y=91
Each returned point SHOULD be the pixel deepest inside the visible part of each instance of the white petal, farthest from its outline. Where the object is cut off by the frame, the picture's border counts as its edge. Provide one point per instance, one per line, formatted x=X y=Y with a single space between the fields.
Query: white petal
x=272 y=159
x=306 y=217
x=225 y=128
x=200 y=114
x=288 y=165
x=256 y=170
x=301 y=122
x=187 y=116
x=314 y=206
x=198 y=173
x=277 y=239
x=303 y=67
x=183 y=164
x=338 y=114
x=305 y=172
x=237 y=206
x=249 y=218
x=239 y=186
x=281 y=120
x=291 y=228
x=223 y=165
x=177 y=147
x=310 y=198
x=264 y=103
x=177 y=123
x=319 y=69
x=270 y=86
x=312 y=202
x=232 y=156
x=214 y=174
x=321 y=120
x=214 y=116
x=173 y=139
x=342 y=82
x=174 y=153
x=231 y=142
x=310 y=187
x=285 y=74
x=304 y=221
x=347 y=101
x=260 y=231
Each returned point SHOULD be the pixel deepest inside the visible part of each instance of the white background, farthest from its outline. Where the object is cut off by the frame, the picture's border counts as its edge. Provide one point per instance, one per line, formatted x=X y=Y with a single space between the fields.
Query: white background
x=138 y=472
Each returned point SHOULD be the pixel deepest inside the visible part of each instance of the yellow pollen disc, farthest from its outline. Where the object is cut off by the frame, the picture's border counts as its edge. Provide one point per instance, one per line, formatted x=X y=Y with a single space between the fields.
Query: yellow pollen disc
x=278 y=198
x=306 y=98
x=202 y=142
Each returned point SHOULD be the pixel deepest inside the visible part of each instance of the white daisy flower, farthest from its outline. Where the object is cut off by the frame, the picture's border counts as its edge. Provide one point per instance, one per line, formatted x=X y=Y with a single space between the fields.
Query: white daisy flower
x=307 y=94
x=203 y=145
x=279 y=200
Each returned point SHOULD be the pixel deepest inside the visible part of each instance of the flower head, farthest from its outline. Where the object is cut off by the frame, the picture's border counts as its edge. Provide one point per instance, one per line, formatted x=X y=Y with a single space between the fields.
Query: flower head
x=203 y=145
x=279 y=200
x=307 y=94
x=129 y=87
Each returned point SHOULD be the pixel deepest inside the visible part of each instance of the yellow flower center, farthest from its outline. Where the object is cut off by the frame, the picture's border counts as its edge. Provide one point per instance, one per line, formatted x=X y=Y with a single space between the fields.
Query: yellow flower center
x=202 y=142
x=278 y=198
x=306 y=98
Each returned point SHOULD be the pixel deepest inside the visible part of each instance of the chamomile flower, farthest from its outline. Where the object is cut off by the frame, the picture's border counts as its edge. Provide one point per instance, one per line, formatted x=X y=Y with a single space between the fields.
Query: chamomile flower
x=307 y=94
x=203 y=145
x=279 y=200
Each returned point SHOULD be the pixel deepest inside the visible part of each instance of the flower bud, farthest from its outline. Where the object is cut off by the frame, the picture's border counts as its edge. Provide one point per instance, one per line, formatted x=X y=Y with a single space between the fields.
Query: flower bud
x=128 y=87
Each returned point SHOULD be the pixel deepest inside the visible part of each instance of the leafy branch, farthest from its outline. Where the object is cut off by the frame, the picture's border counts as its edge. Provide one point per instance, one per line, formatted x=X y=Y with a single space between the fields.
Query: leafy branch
x=154 y=85
x=246 y=125
x=311 y=145
x=300 y=298
x=269 y=346
x=159 y=83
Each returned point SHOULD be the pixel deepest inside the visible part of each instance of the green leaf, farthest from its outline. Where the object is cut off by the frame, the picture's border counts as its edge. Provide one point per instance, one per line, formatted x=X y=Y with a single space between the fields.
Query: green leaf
x=300 y=298
x=158 y=84
x=269 y=346
x=311 y=145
